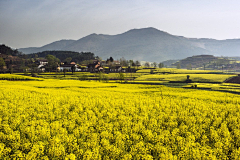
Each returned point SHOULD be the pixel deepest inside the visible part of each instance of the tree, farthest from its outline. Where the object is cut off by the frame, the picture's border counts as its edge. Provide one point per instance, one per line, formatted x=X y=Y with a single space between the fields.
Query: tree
x=64 y=71
x=131 y=63
x=160 y=65
x=73 y=68
x=35 y=56
x=151 y=71
x=2 y=63
x=100 y=76
x=63 y=55
x=111 y=59
x=68 y=60
x=22 y=65
x=178 y=66
x=33 y=67
x=188 y=79
x=121 y=76
x=147 y=64
x=123 y=62
x=137 y=63
x=98 y=58
x=52 y=62
x=155 y=64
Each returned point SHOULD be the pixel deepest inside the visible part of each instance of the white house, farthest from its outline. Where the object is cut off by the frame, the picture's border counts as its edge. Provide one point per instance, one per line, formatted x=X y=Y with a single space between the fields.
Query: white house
x=68 y=67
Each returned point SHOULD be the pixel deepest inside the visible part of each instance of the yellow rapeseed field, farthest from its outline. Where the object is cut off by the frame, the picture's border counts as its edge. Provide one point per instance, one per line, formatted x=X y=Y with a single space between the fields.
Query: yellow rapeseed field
x=204 y=78
x=70 y=119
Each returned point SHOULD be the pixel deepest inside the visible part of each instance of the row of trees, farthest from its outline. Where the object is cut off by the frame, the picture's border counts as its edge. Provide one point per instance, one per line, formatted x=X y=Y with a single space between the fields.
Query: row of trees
x=65 y=56
x=154 y=64
x=125 y=62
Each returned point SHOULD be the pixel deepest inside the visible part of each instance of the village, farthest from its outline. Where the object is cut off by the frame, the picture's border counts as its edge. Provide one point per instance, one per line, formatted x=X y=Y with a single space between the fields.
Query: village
x=13 y=61
x=15 y=64
x=96 y=66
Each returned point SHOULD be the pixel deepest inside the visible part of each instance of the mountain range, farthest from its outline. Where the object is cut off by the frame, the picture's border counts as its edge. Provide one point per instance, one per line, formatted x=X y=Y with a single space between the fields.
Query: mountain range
x=148 y=44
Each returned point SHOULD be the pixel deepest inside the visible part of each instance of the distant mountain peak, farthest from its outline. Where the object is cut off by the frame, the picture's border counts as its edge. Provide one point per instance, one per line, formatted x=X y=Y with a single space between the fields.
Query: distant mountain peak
x=146 y=32
x=148 y=29
x=147 y=44
x=93 y=34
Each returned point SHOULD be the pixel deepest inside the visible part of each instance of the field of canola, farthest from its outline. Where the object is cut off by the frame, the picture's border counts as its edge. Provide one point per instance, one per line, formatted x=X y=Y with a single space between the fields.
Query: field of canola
x=69 y=119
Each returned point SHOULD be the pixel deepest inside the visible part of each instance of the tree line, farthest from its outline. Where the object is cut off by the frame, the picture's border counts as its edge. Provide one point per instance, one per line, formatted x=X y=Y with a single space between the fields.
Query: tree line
x=65 y=56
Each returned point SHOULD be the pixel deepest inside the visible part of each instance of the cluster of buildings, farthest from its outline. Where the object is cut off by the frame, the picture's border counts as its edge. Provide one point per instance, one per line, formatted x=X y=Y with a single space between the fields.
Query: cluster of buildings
x=95 y=66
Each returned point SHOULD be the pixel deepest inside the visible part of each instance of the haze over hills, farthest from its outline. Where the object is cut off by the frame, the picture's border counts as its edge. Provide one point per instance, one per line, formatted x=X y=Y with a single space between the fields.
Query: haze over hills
x=147 y=44
x=57 y=45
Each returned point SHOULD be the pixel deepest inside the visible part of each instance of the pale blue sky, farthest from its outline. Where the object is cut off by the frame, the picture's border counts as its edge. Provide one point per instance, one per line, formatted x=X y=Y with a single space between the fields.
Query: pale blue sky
x=34 y=23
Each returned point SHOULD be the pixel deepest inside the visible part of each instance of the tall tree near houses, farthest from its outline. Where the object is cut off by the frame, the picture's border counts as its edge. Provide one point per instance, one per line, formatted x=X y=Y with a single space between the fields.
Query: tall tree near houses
x=131 y=62
x=123 y=61
x=52 y=62
x=73 y=68
x=111 y=59
x=137 y=63
x=68 y=60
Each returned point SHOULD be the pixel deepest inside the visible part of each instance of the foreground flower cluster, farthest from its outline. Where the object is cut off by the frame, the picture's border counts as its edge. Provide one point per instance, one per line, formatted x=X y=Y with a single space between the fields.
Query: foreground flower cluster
x=54 y=119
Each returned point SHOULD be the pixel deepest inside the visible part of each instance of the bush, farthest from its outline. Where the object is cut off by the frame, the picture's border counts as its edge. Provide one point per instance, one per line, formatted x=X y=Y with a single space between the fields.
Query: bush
x=83 y=77
x=34 y=75
x=121 y=76
x=151 y=71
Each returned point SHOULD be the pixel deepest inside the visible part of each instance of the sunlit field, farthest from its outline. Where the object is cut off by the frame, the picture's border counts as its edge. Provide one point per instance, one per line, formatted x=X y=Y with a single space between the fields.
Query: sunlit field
x=183 y=77
x=72 y=119
x=179 y=71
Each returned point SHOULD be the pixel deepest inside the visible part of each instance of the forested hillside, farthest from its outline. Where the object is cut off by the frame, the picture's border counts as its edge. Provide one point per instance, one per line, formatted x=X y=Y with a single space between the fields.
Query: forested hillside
x=63 y=55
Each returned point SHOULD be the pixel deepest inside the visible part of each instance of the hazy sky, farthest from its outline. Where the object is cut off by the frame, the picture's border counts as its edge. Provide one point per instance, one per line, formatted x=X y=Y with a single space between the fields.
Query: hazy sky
x=34 y=23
